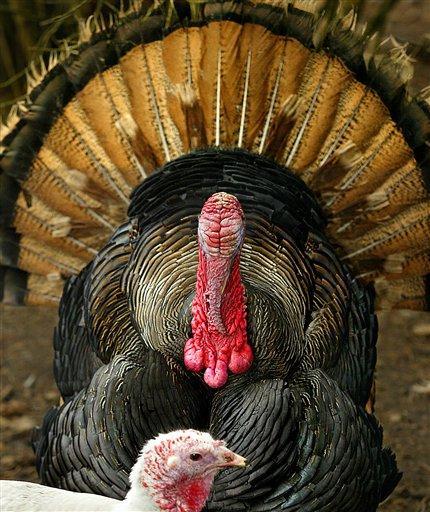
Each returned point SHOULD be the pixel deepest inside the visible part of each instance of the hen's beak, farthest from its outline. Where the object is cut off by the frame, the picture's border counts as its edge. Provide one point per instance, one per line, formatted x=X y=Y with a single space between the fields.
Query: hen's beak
x=231 y=459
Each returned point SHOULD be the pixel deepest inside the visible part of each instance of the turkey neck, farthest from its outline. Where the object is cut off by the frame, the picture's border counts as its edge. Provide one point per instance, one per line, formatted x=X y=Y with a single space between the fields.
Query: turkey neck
x=184 y=497
x=219 y=341
x=137 y=499
x=272 y=265
x=180 y=497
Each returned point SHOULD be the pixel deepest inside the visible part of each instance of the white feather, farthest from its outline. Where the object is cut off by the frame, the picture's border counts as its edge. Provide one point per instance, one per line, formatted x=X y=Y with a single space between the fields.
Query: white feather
x=29 y=497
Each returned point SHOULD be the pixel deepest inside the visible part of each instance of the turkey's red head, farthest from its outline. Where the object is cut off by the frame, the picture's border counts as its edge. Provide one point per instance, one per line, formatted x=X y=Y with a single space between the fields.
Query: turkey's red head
x=176 y=470
x=219 y=341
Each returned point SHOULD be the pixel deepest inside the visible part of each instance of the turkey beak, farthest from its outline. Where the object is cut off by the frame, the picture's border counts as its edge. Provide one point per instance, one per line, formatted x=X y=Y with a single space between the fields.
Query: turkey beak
x=231 y=459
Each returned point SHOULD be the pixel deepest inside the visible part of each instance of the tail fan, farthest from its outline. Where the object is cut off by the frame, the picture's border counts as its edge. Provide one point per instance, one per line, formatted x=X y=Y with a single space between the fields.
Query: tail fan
x=284 y=79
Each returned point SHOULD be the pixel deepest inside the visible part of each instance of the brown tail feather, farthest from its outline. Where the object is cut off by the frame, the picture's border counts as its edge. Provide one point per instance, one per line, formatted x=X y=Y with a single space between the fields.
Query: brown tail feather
x=228 y=83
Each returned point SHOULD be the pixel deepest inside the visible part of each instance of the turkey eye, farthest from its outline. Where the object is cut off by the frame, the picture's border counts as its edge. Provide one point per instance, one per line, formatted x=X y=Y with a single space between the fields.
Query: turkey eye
x=195 y=456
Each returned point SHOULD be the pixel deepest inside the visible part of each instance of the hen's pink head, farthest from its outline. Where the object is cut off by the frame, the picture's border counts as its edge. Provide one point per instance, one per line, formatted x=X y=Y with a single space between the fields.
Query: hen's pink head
x=219 y=341
x=177 y=469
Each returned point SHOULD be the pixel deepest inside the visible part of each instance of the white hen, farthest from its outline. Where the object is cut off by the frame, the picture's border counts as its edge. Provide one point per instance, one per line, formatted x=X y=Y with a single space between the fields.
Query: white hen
x=174 y=472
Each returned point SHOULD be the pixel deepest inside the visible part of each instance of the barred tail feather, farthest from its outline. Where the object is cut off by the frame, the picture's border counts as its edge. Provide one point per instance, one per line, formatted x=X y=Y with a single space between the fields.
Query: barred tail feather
x=253 y=76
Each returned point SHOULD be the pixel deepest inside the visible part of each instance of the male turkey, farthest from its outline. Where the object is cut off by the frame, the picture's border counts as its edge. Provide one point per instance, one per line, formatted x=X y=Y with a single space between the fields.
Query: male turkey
x=307 y=164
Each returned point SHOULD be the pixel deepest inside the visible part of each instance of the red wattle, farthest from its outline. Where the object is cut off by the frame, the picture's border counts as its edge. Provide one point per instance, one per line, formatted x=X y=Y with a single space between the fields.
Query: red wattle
x=219 y=341
x=194 y=356
x=241 y=359
x=216 y=377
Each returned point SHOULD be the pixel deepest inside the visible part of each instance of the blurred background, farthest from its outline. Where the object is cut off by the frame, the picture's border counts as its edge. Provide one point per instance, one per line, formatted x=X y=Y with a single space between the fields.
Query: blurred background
x=27 y=390
x=29 y=28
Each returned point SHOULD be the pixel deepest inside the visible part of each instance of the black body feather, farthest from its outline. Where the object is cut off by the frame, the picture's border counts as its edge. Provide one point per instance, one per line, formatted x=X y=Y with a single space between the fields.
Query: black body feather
x=297 y=415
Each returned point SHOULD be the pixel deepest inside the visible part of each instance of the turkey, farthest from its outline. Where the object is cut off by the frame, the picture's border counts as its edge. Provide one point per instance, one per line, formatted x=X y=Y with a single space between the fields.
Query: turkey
x=174 y=471
x=215 y=190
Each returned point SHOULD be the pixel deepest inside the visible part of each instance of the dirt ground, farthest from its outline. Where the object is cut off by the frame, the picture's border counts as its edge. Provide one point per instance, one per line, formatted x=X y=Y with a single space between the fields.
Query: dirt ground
x=27 y=388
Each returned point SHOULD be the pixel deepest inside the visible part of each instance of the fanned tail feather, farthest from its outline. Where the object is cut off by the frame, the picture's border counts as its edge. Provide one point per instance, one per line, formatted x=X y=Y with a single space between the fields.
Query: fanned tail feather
x=250 y=75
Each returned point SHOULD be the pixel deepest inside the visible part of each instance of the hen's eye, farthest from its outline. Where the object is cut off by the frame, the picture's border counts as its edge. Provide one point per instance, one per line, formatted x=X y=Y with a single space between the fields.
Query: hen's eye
x=195 y=456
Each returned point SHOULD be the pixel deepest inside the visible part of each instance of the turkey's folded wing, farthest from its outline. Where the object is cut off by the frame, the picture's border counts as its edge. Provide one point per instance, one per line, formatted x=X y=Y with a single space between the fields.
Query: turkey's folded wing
x=75 y=361
x=107 y=313
x=308 y=446
x=354 y=369
x=94 y=322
